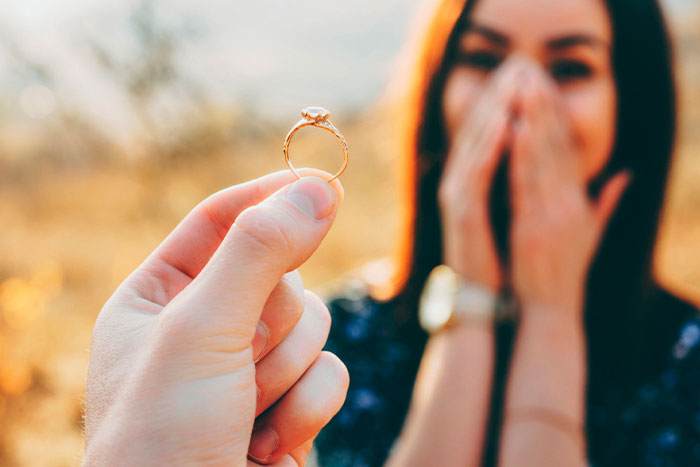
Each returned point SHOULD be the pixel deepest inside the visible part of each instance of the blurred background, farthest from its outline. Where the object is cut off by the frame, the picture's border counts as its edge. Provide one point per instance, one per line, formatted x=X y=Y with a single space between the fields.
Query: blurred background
x=117 y=117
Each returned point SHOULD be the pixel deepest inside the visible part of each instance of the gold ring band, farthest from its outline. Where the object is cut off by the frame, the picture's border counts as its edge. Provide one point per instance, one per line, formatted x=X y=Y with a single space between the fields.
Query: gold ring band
x=318 y=117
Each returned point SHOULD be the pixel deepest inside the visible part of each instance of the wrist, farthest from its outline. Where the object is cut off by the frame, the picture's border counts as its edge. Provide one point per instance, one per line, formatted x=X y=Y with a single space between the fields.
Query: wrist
x=457 y=334
x=115 y=445
x=448 y=300
x=564 y=316
x=549 y=367
x=552 y=331
x=561 y=302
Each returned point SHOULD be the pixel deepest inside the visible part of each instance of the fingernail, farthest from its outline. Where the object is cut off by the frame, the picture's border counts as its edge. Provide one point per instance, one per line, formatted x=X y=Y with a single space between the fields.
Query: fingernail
x=262 y=334
x=313 y=196
x=263 y=444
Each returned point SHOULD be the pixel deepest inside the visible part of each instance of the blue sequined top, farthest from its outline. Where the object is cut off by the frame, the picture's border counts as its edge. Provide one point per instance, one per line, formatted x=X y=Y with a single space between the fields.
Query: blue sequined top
x=658 y=426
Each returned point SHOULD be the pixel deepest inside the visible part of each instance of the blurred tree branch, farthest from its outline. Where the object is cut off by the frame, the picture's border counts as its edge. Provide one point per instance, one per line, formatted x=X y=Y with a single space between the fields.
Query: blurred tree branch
x=150 y=73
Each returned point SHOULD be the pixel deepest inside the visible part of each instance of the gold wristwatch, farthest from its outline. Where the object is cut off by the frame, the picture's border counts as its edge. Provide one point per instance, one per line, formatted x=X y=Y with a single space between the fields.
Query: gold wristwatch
x=449 y=300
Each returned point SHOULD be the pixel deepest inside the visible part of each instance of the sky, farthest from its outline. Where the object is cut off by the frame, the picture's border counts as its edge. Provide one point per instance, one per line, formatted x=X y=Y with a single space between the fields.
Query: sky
x=277 y=56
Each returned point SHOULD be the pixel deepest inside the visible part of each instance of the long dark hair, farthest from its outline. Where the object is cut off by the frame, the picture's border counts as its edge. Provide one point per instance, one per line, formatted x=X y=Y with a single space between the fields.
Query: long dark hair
x=627 y=315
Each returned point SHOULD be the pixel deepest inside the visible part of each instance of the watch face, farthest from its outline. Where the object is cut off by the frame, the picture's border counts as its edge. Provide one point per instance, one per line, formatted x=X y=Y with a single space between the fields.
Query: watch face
x=437 y=300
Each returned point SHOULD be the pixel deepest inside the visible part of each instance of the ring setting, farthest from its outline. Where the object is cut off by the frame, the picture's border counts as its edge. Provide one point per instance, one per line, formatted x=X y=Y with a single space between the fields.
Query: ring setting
x=317 y=114
x=320 y=118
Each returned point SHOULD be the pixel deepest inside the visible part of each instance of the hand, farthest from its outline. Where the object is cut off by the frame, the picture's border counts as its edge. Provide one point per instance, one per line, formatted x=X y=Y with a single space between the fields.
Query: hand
x=213 y=329
x=556 y=229
x=469 y=247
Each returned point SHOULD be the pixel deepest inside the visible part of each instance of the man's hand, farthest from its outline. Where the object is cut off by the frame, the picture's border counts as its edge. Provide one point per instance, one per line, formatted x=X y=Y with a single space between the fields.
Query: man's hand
x=215 y=329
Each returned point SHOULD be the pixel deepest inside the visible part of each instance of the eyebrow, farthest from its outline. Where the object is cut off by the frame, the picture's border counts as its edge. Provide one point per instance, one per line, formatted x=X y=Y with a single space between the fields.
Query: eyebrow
x=490 y=34
x=574 y=40
x=555 y=44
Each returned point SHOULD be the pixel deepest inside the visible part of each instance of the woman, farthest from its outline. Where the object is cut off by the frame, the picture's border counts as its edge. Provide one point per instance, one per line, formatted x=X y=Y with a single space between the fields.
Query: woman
x=540 y=141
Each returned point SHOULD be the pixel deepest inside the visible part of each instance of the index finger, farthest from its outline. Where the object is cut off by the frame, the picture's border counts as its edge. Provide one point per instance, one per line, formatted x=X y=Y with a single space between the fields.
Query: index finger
x=188 y=248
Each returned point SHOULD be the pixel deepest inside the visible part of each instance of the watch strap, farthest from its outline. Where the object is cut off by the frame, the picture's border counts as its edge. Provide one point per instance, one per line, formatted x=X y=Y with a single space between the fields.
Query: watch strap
x=474 y=303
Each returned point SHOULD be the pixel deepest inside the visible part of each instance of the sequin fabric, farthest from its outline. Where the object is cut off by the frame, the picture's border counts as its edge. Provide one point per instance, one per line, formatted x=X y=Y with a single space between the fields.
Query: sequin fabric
x=659 y=426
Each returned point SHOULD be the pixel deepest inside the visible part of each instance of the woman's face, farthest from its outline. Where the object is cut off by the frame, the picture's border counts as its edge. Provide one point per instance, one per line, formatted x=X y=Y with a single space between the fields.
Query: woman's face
x=569 y=39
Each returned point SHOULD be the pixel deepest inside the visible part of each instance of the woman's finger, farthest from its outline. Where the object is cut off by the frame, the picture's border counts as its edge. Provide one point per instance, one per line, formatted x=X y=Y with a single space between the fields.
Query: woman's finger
x=474 y=163
x=287 y=362
x=281 y=313
x=556 y=155
x=545 y=152
x=532 y=106
x=523 y=173
x=610 y=197
x=303 y=411
x=560 y=138
x=483 y=133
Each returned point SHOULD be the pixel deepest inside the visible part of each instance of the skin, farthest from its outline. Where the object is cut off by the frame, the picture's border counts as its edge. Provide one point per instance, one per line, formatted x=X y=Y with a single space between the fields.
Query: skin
x=210 y=351
x=533 y=81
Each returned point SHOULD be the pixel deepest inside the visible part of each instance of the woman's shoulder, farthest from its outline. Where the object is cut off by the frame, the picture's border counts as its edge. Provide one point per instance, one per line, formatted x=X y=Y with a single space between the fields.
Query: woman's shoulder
x=365 y=330
x=382 y=355
x=363 y=316
x=681 y=317
x=666 y=411
x=660 y=424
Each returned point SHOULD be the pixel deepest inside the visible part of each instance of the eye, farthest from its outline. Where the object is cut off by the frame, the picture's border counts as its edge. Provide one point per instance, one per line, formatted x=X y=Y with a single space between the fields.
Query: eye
x=570 y=70
x=479 y=60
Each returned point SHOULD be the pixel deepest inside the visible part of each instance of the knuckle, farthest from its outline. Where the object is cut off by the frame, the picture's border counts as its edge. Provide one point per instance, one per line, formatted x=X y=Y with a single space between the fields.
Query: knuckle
x=174 y=324
x=295 y=305
x=175 y=330
x=287 y=298
x=293 y=278
x=337 y=368
x=321 y=312
x=329 y=380
x=262 y=230
x=206 y=208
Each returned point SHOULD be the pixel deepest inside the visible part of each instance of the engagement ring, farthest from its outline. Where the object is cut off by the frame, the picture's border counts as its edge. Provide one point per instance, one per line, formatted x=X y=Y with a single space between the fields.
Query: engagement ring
x=318 y=117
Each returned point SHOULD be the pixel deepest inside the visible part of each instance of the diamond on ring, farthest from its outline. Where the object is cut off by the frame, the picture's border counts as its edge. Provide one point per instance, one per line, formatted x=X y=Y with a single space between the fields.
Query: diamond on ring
x=316 y=114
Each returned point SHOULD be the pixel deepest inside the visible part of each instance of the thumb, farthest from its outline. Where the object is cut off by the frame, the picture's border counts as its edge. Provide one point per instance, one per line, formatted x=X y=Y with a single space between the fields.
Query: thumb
x=610 y=197
x=265 y=241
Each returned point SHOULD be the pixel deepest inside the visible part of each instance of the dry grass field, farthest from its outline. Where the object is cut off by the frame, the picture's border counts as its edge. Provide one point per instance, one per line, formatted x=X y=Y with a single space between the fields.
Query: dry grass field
x=78 y=212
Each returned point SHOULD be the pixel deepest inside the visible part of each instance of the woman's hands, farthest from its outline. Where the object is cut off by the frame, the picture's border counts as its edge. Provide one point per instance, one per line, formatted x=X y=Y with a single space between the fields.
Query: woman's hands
x=556 y=229
x=555 y=232
x=448 y=417
x=468 y=243
x=214 y=329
